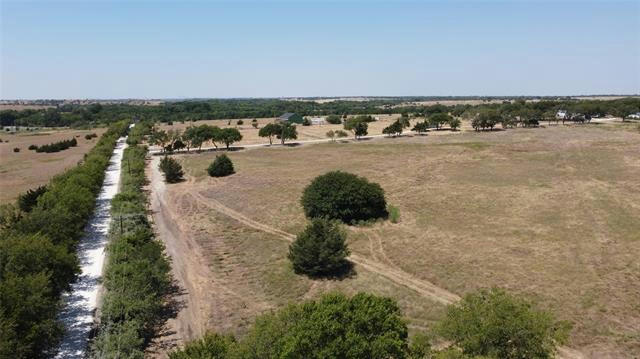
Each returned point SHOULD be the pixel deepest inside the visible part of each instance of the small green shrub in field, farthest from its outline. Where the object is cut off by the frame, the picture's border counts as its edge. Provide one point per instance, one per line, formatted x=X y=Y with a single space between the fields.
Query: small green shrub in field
x=33 y=147
x=240 y=122
x=221 y=166
x=394 y=214
x=16 y=149
x=320 y=249
x=172 y=170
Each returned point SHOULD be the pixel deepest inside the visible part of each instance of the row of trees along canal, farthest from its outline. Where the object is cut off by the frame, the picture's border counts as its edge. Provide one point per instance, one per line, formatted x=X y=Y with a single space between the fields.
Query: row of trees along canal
x=38 y=261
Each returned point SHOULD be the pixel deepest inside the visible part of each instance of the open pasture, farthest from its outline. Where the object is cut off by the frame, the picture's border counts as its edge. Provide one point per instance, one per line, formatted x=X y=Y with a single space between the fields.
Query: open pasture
x=552 y=213
x=20 y=171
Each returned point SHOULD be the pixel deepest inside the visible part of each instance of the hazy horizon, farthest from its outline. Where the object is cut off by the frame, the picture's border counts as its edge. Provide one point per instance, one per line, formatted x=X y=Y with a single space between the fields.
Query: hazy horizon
x=186 y=50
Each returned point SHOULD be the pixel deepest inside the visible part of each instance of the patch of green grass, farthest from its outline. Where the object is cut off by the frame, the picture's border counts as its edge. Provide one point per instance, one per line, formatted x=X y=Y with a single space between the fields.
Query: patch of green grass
x=394 y=214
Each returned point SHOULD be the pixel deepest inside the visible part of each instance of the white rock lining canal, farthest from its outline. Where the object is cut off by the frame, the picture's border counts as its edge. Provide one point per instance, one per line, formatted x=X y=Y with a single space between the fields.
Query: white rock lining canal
x=81 y=302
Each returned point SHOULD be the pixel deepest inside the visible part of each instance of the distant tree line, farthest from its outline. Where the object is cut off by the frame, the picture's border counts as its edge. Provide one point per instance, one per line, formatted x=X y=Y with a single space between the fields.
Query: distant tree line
x=38 y=260
x=97 y=114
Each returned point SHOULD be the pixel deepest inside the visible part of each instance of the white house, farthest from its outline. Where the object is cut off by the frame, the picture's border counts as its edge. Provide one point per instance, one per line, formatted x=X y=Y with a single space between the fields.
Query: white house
x=561 y=114
x=634 y=116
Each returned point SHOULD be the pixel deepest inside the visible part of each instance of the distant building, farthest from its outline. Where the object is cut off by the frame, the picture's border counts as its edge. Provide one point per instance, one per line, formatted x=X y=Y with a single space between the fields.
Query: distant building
x=290 y=117
x=635 y=116
x=561 y=114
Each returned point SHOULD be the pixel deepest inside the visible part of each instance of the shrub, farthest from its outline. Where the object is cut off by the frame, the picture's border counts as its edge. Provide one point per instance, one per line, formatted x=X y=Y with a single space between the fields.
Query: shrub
x=334 y=326
x=221 y=166
x=394 y=214
x=90 y=136
x=341 y=134
x=343 y=196
x=334 y=119
x=29 y=199
x=320 y=249
x=496 y=324
x=454 y=123
x=172 y=169
x=240 y=122
x=16 y=149
x=33 y=147
x=306 y=122
x=57 y=146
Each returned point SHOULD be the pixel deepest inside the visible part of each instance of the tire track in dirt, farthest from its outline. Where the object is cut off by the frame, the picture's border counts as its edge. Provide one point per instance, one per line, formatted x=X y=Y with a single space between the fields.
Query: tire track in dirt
x=425 y=288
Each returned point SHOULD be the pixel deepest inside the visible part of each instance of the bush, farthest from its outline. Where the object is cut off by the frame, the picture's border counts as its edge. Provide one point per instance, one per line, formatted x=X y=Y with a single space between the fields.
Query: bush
x=454 y=123
x=496 y=324
x=172 y=169
x=90 y=136
x=221 y=166
x=33 y=147
x=240 y=122
x=334 y=326
x=57 y=146
x=343 y=196
x=16 y=149
x=29 y=199
x=306 y=122
x=334 y=119
x=320 y=249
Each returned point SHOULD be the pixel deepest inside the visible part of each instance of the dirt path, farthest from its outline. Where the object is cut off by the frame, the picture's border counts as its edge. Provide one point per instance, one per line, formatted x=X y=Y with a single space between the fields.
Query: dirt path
x=398 y=276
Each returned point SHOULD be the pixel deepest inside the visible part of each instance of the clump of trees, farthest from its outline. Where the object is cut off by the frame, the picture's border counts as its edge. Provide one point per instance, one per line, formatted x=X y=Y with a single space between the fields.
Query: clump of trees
x=343 y=196
x=320 y=250
x=136 y=278
x=221 y=166
x=486 y=324
x=281 y=130
x=334 y=326
x=194 y=137
x=56 y=146
x=37 y=253
x=495 y=324
x=333 y=119
x=336 y=134
x=90 y=136
x=357 y=125
x=396 y=128
x=171 y=169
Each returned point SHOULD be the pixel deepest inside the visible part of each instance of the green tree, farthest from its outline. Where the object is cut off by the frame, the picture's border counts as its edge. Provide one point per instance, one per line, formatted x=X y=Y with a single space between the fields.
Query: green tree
x=320 y=250
x=286 y=131
x=454 y=123
x=159 y=137
x=332 y=135
x=343 y=196
x=334 y=119
x=221 y=166
x=496 y=324
x=358 y=126
x=172 y=169
x=421 y=127
x=335 y=326
x=439 y=119
x=229 y=136
x=268 y=130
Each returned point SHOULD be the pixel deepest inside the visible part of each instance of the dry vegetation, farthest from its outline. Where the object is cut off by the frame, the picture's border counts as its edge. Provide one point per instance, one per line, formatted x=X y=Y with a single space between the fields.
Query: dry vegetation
x=552 y=213
x=20 y=171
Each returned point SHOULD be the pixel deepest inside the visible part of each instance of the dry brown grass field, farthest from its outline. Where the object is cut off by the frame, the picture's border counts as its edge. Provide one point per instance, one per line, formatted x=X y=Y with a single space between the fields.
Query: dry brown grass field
x=27 y=169
x=552 y=213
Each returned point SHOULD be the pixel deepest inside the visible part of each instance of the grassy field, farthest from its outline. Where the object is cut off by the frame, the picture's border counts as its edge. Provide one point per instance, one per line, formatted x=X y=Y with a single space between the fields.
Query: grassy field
x=553 y=213
x=27 y=169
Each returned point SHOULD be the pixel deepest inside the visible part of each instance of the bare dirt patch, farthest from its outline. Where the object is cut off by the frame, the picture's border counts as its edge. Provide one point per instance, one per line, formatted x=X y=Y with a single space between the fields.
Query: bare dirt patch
x=20 y=171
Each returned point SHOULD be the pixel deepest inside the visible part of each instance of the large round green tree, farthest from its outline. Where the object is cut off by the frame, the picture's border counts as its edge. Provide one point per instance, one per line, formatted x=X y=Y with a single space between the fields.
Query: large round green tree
x=344 y=196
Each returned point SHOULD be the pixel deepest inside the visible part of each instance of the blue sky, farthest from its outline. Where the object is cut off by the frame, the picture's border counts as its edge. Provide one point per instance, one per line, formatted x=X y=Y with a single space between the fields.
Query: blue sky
x=179 y=49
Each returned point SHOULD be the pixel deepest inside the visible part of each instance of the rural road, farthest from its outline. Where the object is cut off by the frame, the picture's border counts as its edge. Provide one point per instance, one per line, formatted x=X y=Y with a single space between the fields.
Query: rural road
x=192 y=272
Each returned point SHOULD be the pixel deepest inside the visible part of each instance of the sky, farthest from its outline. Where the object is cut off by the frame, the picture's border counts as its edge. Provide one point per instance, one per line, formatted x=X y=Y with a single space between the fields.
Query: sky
x=197 y=49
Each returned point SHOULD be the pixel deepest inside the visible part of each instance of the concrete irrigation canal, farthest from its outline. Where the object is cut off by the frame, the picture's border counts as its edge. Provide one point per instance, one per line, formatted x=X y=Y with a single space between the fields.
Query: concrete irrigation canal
x=80 y=304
